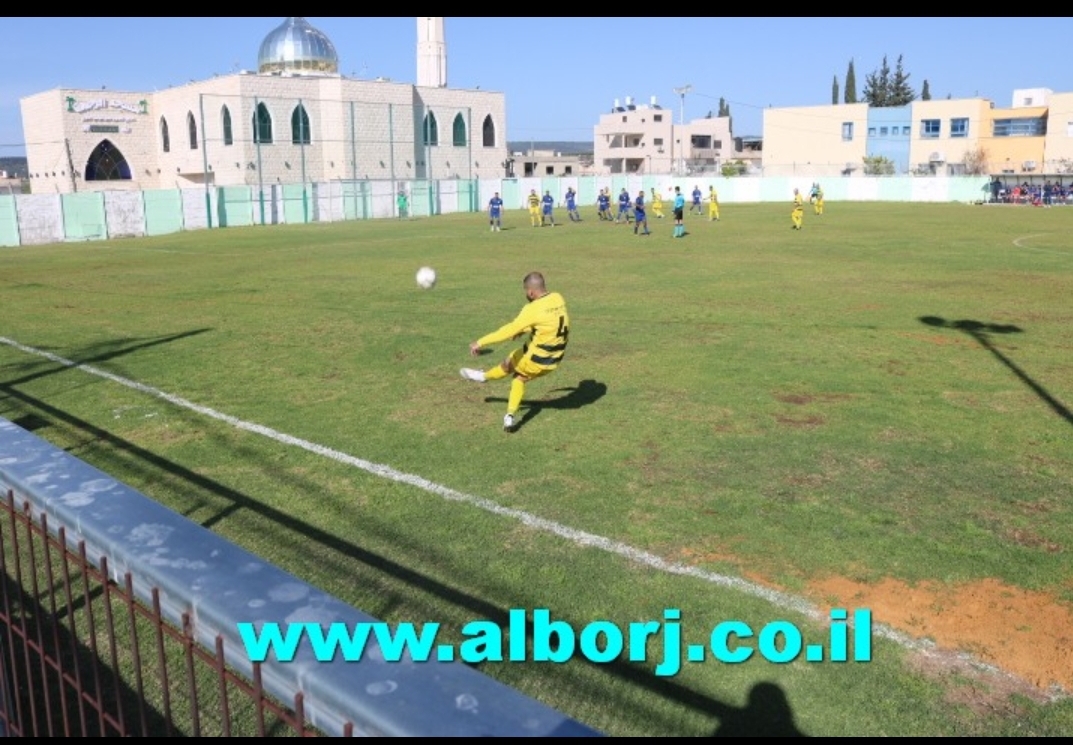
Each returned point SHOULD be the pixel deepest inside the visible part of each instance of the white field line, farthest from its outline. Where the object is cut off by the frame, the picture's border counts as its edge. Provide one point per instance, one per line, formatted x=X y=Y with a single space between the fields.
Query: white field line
x=1019 y=242
x=779 y=599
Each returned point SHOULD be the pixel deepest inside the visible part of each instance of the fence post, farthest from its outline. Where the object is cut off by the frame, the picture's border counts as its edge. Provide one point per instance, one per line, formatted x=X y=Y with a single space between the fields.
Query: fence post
x=391 y=155
x=353 y=160
x=257 y=142
x=205 y=161
x=302 y=135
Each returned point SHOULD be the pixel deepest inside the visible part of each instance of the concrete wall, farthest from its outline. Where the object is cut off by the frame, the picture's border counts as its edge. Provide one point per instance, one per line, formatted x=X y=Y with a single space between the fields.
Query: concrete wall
x=34 y=219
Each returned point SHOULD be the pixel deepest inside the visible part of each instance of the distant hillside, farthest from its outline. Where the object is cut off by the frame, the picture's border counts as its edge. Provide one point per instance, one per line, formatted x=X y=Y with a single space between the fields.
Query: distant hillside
x=15 y=167
x=566 y=148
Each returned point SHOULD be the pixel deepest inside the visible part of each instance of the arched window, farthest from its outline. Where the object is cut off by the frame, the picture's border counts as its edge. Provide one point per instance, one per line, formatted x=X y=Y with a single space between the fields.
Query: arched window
x=430 y=130
x=229 y=139
x=106 y=163
x=165 y=138
x=459 y=131
x=191 y=126
x=262 y=125
x=300 y=126
x=488 y=132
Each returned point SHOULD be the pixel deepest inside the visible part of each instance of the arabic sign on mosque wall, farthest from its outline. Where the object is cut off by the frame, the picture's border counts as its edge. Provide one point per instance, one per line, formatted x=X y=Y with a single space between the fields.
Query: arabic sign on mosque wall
x=103 y=124
x=80 y=107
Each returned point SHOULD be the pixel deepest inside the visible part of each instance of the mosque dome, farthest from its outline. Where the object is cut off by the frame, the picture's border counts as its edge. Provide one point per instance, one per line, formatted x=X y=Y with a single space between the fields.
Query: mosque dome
x=297 y=47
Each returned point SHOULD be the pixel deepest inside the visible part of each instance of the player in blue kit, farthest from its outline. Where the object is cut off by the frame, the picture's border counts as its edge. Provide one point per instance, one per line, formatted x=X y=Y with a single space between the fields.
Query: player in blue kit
x=603 y=205
x=495 y=212
x=696 y=200
x=571 y=205
x=639 y=217
x=623 y=206
x=547 y=204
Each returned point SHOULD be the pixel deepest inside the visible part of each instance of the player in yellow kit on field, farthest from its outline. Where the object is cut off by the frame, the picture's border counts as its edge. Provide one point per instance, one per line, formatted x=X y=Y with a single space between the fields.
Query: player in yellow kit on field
x=817 y=206
x=713 y=204
x=657 y=204
x=548 y=325
x=799 y=210
x=534 y=208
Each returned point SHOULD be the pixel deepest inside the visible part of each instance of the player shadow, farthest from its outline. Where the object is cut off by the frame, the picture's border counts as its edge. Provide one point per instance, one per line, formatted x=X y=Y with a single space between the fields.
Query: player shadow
x=981 y=333
x=584 y=393
x=767 y=713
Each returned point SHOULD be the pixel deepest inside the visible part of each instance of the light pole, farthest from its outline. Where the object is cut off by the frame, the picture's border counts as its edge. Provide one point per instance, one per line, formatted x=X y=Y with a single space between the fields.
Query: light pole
x=681 y=92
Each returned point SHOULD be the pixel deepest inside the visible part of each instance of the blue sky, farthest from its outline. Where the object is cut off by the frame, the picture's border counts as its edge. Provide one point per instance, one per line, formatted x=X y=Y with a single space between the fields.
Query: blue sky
x=559 y=74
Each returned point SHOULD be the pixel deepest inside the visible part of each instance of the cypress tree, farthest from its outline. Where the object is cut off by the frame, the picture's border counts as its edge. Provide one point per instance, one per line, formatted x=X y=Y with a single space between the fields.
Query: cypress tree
x=851 y=85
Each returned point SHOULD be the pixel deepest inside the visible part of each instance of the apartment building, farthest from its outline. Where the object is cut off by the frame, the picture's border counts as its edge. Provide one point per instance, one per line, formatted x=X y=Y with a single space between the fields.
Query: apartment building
x=643 y=139
x=1033 y=136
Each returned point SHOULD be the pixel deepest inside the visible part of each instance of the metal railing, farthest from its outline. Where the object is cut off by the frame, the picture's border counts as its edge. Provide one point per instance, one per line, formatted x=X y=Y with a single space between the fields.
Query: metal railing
x=84 y=657
x=120 y=618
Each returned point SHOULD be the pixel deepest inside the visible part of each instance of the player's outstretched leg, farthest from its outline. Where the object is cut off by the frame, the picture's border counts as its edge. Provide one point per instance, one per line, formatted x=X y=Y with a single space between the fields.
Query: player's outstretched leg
x=517 y=391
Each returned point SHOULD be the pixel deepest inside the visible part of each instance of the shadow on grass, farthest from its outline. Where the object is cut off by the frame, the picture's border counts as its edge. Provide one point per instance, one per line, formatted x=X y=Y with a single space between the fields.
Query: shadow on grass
x=584 y=393
x=767 y=707
x=766 y=714
x=96 y=353
x=981 y=333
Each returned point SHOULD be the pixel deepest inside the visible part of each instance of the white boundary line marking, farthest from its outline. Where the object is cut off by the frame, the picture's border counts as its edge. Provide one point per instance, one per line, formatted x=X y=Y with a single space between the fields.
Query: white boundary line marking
x=579 y=537
x=1017 y=242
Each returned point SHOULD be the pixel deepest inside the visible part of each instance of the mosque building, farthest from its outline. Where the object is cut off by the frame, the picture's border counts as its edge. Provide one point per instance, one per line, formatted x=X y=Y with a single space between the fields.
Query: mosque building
x=295 y=120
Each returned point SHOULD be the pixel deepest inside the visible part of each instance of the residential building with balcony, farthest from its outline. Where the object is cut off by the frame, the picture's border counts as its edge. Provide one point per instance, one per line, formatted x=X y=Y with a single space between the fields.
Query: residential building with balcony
x=643 y=139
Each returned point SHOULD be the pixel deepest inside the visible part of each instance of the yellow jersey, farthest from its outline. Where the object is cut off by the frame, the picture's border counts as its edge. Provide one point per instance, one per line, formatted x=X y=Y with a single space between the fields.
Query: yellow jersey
x=548 y=325
x=534 y=201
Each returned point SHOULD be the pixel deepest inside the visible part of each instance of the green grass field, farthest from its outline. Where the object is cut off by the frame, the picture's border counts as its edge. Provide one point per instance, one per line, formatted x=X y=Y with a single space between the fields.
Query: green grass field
x=872 y=412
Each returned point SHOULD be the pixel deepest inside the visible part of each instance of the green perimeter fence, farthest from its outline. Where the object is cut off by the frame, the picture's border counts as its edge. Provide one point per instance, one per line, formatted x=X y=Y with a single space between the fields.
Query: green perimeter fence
x=34 y=219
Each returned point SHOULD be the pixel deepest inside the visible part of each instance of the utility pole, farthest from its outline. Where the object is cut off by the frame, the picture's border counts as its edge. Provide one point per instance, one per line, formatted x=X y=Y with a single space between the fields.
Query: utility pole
x=682 y=91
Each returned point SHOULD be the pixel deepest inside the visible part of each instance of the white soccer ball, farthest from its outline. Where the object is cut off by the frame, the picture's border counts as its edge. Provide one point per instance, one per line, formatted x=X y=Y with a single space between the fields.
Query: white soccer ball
x=426 y=277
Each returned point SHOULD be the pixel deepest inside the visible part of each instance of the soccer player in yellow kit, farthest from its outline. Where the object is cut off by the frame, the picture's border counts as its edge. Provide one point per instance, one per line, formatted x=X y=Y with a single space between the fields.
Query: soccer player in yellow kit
x=657 y=204
x=713 y=204
x=799 y=210
x=534 y=208
x=548 y=324
x=818 y=204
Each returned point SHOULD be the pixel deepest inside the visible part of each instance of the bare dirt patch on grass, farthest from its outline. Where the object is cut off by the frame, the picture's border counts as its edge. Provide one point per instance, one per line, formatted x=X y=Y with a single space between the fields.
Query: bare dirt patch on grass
x=1025 y=633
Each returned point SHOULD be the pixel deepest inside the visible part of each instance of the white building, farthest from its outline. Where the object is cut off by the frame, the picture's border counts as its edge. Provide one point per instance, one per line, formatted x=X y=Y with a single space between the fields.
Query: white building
x=643 y=139
x=294 y=120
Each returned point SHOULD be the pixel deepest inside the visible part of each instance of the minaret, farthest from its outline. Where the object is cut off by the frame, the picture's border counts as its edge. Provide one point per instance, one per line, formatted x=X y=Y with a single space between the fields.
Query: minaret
x=431 y=53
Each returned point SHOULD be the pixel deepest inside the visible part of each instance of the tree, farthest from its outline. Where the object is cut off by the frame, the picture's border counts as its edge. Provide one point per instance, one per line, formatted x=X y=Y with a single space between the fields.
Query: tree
x=851 y=85
x=735 y=168
x=877 y=86
x=877 y=165
x=975 y=162
x=900 y=93
x=834 y=91
x=925 y=92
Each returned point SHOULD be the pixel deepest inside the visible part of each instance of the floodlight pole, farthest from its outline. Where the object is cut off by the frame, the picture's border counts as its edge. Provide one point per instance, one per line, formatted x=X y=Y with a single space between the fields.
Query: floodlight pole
x=681 y=92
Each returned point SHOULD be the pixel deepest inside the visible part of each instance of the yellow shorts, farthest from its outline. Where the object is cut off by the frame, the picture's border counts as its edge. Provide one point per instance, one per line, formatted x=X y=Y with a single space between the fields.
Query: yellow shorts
x=534 y=211
x=522 y=365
